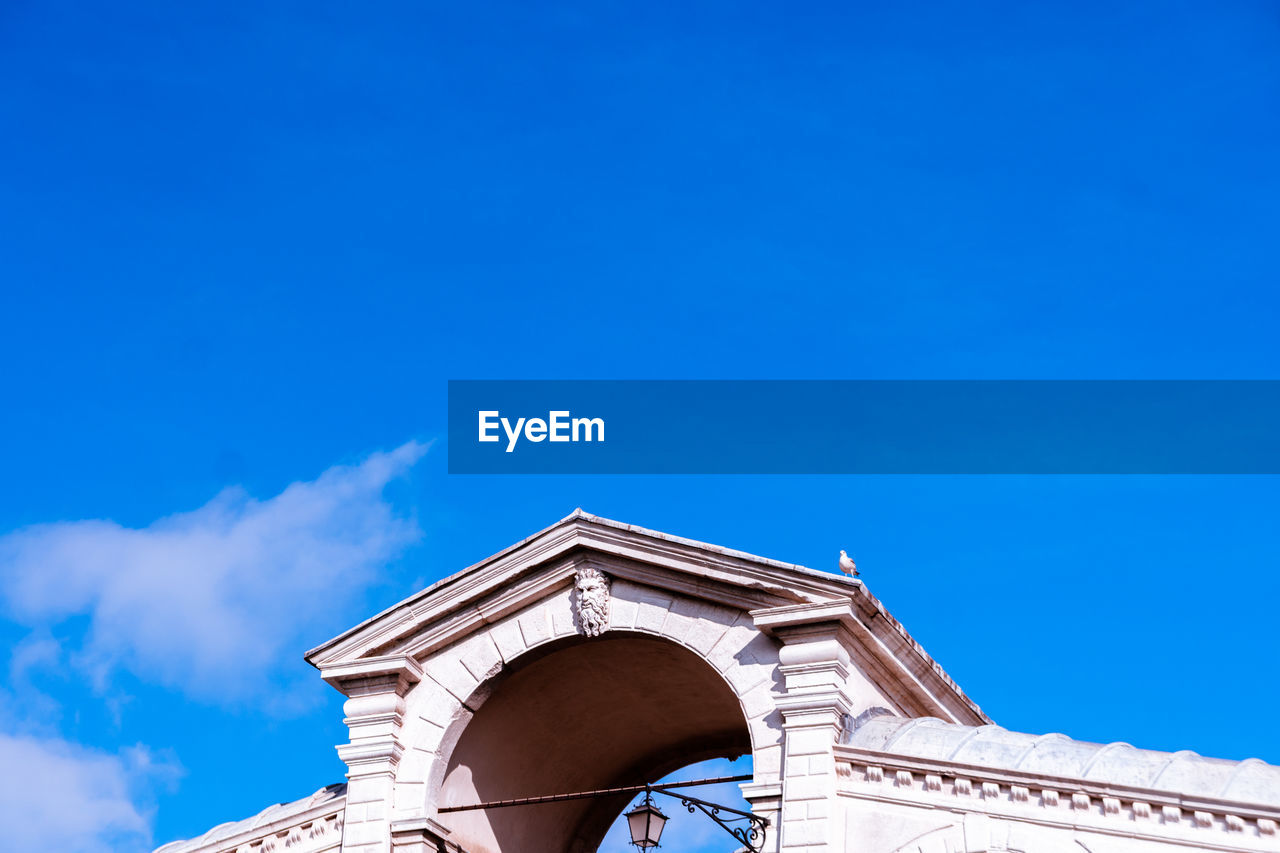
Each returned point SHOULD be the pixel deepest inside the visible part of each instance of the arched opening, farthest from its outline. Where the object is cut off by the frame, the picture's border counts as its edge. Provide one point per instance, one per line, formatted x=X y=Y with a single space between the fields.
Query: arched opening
x=620 y=709
x=692 y=830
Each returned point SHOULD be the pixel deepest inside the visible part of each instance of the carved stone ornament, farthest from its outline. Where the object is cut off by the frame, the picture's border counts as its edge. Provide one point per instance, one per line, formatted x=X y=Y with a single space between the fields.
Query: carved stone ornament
x=592 y=601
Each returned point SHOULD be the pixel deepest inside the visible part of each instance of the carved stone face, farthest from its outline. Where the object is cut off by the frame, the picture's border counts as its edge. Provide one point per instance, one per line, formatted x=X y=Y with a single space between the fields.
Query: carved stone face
x=593 y=601
x=589 y=583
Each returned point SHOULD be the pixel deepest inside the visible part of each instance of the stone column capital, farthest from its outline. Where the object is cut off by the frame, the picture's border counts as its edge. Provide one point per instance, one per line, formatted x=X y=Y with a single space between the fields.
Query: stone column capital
x=374 y=711
x=816 y=655
x=384 y=674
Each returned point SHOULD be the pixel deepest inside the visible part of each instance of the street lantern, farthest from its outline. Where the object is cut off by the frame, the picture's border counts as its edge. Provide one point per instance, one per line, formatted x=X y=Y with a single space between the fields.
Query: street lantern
x=646 y=823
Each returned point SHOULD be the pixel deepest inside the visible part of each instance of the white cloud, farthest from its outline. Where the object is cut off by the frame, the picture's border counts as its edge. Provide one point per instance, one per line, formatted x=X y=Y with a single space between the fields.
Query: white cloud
x=213 y=601
x=55 y=795
x=37 y=651
x=20 y=698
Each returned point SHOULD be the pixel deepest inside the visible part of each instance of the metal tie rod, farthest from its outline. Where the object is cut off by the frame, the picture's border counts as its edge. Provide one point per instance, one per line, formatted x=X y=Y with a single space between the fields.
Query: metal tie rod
x=582 y=795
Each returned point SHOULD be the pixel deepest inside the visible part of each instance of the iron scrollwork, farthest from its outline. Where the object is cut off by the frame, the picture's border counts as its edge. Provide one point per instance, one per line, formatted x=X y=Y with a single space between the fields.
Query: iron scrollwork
x=751 y=836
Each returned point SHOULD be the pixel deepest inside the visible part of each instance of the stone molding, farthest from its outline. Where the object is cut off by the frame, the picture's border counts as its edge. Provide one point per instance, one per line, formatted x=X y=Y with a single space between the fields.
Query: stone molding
x=318 y=830
x=373 y=674
x=313 y=837
x=421 y=836
x=491 y=590
x=899 y=664
x=1055 y=801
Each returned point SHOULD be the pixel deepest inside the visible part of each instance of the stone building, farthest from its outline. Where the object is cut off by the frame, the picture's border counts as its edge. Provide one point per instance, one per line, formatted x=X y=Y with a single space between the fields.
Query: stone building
x=596 y=654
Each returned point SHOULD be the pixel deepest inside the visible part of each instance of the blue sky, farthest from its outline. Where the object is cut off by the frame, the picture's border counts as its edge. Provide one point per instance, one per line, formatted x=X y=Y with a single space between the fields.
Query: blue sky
x=245 y=249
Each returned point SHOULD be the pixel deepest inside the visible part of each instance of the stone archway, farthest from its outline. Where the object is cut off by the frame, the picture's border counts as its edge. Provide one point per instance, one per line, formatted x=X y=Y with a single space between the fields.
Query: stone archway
x=722 y=659
x=501 y=681
x=624 y=708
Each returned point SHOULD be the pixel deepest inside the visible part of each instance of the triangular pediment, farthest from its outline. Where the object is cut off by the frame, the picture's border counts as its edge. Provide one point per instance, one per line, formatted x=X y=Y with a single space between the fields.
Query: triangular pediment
x=546 y=563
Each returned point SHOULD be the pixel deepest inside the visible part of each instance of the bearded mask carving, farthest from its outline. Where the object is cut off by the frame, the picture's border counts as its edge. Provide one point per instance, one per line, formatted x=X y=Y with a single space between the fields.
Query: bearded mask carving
x=593 y=601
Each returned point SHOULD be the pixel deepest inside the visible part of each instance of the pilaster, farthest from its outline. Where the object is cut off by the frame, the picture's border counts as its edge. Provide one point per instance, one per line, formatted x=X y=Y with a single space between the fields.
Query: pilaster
x=374 y=713
x=815 y=664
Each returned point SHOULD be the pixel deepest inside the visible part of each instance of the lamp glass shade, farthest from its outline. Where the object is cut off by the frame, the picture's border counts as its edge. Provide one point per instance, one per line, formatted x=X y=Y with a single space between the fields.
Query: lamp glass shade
x=646 y=822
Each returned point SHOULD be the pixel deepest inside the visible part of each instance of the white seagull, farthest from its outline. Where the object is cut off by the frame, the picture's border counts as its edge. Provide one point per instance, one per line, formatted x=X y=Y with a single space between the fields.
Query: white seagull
x=848 y=566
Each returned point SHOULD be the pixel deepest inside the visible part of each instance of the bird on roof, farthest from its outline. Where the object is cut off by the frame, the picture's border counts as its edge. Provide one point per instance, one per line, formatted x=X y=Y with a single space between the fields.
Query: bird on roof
x=848 y=566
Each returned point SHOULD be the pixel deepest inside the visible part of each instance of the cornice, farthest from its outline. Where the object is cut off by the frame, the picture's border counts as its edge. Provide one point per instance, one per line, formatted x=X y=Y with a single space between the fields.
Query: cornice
x=580 y=537
x=545 y=562
x=401 y=670
x=900 y=778
x=316 y=829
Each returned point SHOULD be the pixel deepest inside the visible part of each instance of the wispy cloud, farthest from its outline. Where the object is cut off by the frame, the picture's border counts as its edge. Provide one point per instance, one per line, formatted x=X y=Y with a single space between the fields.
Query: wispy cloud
x=211 y=602
x=55 y=795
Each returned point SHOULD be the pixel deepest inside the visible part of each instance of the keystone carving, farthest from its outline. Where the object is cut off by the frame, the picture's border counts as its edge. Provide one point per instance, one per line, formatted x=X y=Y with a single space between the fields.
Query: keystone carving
x=592 y=601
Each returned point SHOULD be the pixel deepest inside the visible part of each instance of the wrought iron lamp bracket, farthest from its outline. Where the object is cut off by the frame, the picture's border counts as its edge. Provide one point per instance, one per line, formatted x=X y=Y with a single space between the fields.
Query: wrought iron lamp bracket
x=751 y=835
